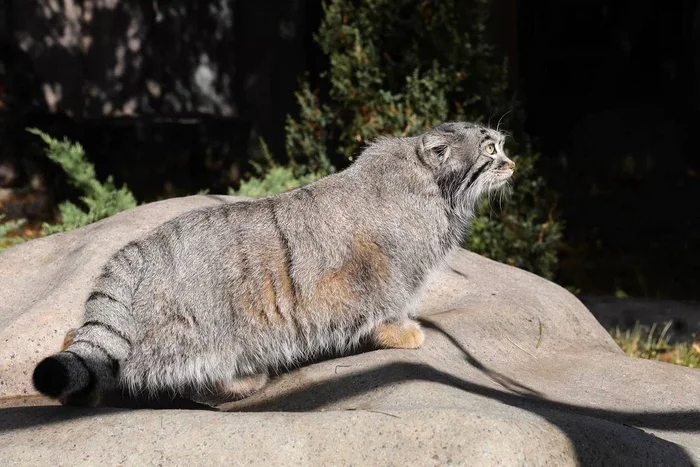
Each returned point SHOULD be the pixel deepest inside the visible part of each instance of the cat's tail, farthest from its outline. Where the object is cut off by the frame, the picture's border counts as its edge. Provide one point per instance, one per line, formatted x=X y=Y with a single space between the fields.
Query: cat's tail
x=89 y=364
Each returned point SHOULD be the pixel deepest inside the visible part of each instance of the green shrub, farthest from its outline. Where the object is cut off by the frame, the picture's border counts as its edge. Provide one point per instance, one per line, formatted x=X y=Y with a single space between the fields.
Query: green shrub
x=101 y=199
x=525 y=233
x=400 y=66
x=276 y=180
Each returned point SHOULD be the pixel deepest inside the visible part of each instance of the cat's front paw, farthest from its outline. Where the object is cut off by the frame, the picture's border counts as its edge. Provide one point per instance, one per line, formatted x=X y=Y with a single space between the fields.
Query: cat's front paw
x=399 y=335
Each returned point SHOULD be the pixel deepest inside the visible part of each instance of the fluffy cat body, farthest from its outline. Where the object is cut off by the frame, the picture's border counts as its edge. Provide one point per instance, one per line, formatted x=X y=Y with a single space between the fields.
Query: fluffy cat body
x=209 y=302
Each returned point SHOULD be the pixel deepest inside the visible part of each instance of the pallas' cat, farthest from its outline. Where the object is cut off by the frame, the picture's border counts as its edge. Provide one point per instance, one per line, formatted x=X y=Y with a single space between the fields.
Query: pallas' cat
x=208 y=303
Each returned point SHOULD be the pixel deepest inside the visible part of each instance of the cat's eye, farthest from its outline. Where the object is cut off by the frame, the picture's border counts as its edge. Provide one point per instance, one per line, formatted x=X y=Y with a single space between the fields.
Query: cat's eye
x=490 y=149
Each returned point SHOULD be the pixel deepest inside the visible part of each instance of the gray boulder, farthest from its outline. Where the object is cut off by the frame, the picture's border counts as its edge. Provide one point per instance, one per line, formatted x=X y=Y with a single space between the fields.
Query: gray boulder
x=514 y=371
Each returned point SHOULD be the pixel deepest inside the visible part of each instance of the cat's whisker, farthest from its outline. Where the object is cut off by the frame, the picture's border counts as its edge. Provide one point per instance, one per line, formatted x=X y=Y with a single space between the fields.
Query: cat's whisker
x=504 y=194
x=499 y=120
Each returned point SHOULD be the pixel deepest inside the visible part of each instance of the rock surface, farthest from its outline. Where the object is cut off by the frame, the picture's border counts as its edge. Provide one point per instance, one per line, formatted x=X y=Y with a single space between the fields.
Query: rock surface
x=514 y=371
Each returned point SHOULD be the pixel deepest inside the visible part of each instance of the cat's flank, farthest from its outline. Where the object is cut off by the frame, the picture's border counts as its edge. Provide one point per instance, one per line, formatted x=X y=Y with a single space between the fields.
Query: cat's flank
x=211 y=301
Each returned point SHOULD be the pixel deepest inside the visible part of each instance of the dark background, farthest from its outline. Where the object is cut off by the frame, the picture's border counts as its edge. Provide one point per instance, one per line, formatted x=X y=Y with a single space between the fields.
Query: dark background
x=170 y=98
x=612 y=91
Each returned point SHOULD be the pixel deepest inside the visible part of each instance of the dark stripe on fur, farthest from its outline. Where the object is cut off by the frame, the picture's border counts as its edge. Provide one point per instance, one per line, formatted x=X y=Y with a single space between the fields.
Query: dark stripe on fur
x=287 y=262
x=450 y=182
x=116 y=276
x=476 y=173
x=112 y=361
x=106 y=274
x=96 y=295
x=240 y=249
x=245 y=267
x=244 y=261
x=111 y=329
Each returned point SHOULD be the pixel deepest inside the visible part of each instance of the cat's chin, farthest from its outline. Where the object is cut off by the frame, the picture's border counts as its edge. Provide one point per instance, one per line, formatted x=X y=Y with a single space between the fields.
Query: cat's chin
x=502 y=180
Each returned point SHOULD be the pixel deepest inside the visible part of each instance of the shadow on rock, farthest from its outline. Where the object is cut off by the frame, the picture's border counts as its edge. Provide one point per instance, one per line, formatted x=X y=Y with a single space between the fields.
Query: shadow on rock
x=590 y=430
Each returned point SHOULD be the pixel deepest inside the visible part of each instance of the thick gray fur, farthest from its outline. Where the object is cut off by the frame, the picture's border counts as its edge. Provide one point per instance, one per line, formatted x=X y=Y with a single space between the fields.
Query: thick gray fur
x=235 y=290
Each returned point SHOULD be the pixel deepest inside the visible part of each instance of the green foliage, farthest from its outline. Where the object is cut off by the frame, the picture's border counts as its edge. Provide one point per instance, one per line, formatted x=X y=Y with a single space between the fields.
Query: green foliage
x=525 y=233
x=396 y=69
x=400 y=66
x=274 y=178
x=8 y=228
x=277 y=180
x=101 y=199
x=309 y=138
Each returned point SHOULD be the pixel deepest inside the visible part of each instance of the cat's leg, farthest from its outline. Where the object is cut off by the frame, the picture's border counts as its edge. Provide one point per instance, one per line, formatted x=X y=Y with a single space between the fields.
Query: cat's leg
x=236 y=389
x=405 y=334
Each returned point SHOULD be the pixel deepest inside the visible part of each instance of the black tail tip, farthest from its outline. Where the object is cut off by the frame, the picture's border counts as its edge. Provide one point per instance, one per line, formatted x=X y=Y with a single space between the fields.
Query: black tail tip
x=50 y=377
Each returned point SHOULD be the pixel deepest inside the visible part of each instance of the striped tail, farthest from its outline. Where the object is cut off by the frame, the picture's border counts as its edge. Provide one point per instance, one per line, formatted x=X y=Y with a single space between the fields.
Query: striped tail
x=89 y=364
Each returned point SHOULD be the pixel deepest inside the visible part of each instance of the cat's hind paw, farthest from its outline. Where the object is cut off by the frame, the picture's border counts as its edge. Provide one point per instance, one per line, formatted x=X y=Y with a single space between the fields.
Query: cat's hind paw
x=231 y=391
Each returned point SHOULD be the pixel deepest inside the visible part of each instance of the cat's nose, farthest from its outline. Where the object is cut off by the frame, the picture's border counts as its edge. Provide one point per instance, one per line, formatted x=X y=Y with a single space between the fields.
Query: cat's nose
x=509 y=164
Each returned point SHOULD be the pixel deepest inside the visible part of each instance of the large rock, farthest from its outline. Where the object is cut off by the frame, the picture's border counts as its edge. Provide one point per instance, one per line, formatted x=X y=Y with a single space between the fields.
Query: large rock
x=515 y=371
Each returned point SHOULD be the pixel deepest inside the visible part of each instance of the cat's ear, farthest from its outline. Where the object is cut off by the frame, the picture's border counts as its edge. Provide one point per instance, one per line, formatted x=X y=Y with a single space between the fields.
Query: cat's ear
x=435 y=149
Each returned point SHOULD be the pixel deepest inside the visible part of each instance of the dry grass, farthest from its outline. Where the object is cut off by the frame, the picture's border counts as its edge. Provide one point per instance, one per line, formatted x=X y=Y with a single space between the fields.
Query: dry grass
x=654 y=344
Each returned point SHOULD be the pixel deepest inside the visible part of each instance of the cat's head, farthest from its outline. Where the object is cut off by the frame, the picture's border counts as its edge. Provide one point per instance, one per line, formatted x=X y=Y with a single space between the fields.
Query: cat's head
x=468 y=161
